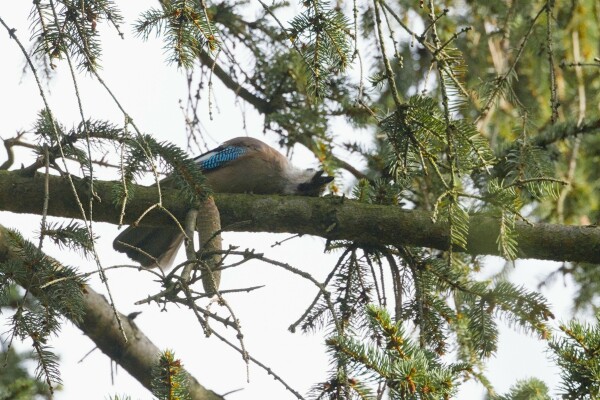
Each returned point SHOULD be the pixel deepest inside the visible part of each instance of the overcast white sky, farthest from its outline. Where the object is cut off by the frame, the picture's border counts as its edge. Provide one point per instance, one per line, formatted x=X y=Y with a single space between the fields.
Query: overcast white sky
x=150 y=90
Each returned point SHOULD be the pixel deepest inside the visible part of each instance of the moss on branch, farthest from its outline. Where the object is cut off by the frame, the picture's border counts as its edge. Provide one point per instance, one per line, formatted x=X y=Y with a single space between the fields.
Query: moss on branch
x=329 y=217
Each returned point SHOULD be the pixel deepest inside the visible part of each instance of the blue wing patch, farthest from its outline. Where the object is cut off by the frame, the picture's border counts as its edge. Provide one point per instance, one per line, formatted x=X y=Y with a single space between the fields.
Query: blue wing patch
x=220 y=157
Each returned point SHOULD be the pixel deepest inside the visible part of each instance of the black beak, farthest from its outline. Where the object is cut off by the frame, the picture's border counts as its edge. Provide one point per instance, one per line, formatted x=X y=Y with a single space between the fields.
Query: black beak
x=316 y=185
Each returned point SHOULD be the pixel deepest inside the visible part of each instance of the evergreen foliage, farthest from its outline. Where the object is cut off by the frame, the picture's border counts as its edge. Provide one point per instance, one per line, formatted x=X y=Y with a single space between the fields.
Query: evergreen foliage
x=16 y=383
x=70 y=28
x=185 y=26
x=322 y=34
x=392 y=360
x=169 y=378
x=530 y=389
x=576 y=352
x=57 y=291
x=72 y=236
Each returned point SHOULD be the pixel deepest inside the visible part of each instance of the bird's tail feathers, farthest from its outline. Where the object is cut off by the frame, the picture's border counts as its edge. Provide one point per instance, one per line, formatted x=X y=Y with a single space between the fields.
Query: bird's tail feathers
x=151 y=247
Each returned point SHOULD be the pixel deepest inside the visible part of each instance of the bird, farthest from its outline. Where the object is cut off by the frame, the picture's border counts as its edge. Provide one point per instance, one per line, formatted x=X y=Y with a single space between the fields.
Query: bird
x=239 y=165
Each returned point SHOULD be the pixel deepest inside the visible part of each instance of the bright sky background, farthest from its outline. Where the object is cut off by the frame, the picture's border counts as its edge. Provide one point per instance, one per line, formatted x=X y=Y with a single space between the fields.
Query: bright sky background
x=150 y=90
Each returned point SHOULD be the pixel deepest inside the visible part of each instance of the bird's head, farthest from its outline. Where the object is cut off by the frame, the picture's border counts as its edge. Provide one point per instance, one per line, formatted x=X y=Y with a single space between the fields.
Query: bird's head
x=315 y=184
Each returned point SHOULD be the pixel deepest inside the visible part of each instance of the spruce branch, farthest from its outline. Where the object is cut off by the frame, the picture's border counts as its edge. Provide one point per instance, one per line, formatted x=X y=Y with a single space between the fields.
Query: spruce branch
x=169 y=379
x=185 y=27
x=576 y=352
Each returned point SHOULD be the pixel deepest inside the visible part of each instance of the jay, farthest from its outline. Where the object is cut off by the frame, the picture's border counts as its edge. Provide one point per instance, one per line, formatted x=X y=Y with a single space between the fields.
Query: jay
x=240 y=165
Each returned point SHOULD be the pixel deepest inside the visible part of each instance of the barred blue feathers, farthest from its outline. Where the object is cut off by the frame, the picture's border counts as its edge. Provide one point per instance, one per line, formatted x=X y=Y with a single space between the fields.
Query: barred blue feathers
x=220 y=156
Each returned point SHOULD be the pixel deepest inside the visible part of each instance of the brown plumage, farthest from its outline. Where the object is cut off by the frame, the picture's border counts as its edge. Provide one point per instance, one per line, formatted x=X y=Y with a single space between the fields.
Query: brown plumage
x=240 y=165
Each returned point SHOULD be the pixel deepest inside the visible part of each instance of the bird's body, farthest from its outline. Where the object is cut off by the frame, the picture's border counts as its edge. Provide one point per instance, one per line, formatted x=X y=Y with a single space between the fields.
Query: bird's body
x=247 y=165
x=240 y=165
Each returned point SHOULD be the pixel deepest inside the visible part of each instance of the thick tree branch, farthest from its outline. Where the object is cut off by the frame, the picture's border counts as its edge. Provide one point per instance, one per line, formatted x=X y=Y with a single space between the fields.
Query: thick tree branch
x=137 y=356
x=331 y=218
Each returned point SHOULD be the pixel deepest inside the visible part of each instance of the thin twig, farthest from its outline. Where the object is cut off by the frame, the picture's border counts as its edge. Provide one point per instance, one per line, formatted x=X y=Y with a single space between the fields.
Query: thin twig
x=500 y=81
x=46 y=197
x=263 y=366
x=386 y=62
x=268 y=10
x=550 y=50
x=572 y=165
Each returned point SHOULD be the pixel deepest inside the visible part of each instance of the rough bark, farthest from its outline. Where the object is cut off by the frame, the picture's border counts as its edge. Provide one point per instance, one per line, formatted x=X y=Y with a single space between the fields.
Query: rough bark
x=331 y=218
x=136 y=356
